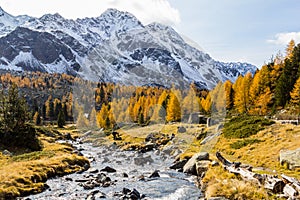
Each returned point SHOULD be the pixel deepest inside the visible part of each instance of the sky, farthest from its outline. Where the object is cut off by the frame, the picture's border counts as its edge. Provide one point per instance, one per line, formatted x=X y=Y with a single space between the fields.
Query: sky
x=228 y=30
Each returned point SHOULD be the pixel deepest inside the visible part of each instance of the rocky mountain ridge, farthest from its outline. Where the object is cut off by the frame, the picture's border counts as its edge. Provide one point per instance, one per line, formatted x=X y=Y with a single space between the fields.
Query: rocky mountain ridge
x=114 y=47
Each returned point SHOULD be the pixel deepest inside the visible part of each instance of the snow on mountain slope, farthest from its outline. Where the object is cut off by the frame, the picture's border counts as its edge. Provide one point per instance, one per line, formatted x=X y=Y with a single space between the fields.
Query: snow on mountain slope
x=114 y=47
x=8 y=22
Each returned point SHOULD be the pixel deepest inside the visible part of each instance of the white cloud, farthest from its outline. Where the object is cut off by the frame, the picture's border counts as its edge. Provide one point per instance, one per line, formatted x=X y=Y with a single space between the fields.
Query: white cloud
x=150 y=10
x=285 y=38
x=145 y=10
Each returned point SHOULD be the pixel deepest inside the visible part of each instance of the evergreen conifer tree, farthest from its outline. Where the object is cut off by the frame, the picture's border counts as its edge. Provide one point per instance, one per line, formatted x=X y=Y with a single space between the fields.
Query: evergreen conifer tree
x=61 y=119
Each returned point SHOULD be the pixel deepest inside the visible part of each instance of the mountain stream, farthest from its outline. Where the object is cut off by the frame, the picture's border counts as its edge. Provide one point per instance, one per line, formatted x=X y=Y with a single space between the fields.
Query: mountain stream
x=117 y=174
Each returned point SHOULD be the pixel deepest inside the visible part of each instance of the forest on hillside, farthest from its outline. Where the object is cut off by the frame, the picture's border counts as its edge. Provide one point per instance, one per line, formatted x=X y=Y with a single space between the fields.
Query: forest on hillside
x=274 y=87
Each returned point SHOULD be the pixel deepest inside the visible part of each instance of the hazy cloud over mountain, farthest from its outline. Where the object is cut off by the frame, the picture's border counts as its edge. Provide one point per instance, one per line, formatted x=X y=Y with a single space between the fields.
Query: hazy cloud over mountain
x=147 y=11
x=285 y=38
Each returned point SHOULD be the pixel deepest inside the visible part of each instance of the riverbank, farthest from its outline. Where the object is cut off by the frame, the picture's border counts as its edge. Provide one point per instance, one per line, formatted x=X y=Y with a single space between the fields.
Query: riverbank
x=263 y=156
x=118 y=172
x=139 y=159
x=23 y=172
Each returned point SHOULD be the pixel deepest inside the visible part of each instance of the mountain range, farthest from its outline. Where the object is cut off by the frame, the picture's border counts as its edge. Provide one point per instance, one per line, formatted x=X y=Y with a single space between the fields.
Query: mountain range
x=114 y=47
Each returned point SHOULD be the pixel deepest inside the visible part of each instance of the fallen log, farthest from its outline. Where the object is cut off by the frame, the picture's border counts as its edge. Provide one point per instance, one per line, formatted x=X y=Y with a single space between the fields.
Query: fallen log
x=234 y=167
x=292 y=181
x=290 y=190
x=272 y=183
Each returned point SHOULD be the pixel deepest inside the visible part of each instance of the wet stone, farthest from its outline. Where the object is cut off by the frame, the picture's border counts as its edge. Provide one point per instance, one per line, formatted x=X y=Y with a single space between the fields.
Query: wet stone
x=143 y=160
x=68 y=179
x=179 y=164
x=155 y=174
x=108 y=169
x=93 y=170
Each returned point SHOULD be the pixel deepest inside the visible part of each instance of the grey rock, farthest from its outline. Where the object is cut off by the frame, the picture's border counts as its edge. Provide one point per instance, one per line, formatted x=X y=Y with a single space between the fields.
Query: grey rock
x=202 y=166
x=168 y=149
x=68 y=179
x=291 y=158
x=7 y=153
x=148 y=147
x=105 y=159
x=108 y=169
x=143 y=160
x=190 y=166
x=219 y=127
x=96 y=194
x=93 y=170
x=155 y=174
x=215 y=163
x=179 y=164
x=86 y=167
x=181 y=129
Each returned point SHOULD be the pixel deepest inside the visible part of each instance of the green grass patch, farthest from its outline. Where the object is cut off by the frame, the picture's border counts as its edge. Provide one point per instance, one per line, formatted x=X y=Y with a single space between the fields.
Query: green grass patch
x=36 y=155
x=245 y=126
x=242 y=143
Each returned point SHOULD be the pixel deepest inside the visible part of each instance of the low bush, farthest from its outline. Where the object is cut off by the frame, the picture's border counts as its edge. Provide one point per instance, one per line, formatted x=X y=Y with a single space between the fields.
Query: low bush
x=245 y=126
x=26 y=137
x=242 y=143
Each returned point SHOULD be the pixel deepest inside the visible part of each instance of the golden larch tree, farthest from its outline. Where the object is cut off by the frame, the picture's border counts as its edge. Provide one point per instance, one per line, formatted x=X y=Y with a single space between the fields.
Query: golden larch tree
x=295 y=94
x=173 y=109
x=228 y=94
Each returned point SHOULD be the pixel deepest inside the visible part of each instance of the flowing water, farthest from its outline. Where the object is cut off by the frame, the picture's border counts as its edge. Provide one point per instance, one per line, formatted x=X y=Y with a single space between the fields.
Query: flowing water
x=138 y=166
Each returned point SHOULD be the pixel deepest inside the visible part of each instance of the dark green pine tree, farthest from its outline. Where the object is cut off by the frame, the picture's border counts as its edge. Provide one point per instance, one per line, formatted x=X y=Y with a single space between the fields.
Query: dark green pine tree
x=13 y=117
x=282 y=90
x=61 y=119
x=288 y=78
x=141 y=120
x=44 y=111
x=65 y=110
x=14 y=110
x=37 y=118
x=57 y=107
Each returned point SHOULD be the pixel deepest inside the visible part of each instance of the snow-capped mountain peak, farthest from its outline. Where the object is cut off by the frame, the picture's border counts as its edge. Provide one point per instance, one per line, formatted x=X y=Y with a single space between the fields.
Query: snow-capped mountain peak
x=114 y=47
x=52 y=17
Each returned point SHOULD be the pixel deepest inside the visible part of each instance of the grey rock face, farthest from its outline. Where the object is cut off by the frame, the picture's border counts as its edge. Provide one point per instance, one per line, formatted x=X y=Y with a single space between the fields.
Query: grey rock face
x=190 y=166
x=291 y=158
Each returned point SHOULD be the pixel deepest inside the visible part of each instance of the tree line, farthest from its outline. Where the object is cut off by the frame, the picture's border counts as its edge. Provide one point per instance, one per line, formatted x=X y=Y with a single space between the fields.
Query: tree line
x=274 y=87
x=60 y=97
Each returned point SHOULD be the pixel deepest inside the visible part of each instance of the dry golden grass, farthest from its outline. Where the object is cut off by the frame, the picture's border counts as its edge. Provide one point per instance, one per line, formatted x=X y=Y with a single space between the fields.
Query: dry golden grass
x=136 y=136
x=265 y=154
x=222 y=183
x=26 y=173
x=193 y=145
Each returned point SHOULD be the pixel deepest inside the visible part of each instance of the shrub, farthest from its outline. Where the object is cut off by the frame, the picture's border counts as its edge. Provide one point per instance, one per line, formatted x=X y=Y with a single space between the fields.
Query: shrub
x=245 y=126
x=242 y=143
x=25 y=138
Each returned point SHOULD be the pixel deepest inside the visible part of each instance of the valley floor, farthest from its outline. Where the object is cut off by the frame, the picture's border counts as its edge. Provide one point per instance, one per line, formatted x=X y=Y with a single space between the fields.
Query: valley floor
x=23 y=173
x=31 y=170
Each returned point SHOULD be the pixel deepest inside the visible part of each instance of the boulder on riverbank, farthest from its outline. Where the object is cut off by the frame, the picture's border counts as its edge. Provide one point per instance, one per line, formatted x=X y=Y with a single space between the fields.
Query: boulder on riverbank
x=290 y=158
x=179 y=164
x=190 y=166
x=202 y=166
